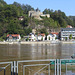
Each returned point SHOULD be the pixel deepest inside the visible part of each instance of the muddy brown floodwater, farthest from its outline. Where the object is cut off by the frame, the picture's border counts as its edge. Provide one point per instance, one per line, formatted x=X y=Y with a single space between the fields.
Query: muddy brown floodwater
x=15 y=52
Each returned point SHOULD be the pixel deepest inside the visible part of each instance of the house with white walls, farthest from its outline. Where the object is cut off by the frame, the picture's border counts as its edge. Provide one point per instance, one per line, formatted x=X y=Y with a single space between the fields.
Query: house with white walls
x=41 y=37
x=30 y=37
x=13 y=37
x=49 y=37
x=52 y=36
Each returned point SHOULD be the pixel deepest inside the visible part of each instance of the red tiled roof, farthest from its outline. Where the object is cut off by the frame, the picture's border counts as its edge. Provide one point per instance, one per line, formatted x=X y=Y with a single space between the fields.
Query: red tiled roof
x=54 y=33
x=42 y=34
x=14 y=35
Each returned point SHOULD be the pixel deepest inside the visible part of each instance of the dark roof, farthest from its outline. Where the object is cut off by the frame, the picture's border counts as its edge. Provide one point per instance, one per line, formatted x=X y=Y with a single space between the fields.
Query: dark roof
x=67 y=29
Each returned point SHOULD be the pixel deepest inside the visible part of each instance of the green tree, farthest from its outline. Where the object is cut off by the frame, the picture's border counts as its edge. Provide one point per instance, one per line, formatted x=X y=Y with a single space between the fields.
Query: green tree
x=49 y=22
x=42 y=39
x=48 y=11
x=43 y=30
x=27 y=39
x=27 y=31
x=26 y=8
x=66 y=38
x=12 y=28
x=49 y=38
x=17 y=4
x=70 y=36
x=60 y=17
x=2 y=3
x=9 y=22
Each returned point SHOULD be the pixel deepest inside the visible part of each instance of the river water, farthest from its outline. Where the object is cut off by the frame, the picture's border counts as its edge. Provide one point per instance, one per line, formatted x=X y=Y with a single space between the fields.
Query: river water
x=36 y=51
x=15 y=52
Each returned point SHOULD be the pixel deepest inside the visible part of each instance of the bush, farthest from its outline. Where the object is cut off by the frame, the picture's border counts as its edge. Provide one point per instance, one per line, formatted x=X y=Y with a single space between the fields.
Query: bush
x=70 y=36
x=66 y=38
x=49 y=38
x=1 y=39
x=55 y=38
x=27 y=39
x=42 y=39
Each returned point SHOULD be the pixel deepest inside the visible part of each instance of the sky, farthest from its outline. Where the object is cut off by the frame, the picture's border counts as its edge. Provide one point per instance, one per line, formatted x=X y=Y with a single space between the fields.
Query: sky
x=67 y=6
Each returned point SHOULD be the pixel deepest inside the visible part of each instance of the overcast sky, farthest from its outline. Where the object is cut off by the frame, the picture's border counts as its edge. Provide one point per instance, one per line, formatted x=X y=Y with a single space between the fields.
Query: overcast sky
x=67 y=6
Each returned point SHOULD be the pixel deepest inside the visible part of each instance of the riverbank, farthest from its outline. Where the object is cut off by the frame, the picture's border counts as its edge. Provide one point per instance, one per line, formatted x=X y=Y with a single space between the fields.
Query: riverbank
x=9 y=42
x=39 y=42
x=67 y=42
x=27 y=42
x=36 y=42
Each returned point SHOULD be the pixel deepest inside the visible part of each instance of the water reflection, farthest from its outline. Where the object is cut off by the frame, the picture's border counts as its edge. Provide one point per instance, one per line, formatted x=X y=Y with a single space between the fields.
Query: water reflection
x=67 y=50
x=36 y=51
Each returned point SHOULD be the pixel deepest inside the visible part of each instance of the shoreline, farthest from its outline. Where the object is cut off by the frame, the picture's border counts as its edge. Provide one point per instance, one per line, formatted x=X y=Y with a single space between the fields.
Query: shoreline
x=28 y=42
x=36 y=42
x=68 y=42
x=39 y=42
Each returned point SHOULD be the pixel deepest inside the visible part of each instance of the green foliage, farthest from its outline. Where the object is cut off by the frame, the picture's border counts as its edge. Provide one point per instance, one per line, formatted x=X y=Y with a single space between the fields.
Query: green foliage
x=4 y=37
x=10 y=23
x=48 y=11
x=66 y=38
x=49 y=38
x=49 y=22
x=70 y=36
x=46 y=33
x=42 y=39
x=27 y=31
x=72 y=19
x=55 y=38
x=1 y=39
x=13 y=28
x=2 y=3
x=43 y=30
x=17 y=4
x=27 y=39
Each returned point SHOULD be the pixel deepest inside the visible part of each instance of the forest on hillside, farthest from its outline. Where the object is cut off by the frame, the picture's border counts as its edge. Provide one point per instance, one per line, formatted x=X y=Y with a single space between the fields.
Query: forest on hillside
x=10 y=23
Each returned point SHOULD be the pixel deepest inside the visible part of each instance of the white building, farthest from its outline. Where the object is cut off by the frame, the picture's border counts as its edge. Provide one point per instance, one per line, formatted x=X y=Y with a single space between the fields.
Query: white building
x=30 y=37
x=13 y=37
x=66 y=32
x=41 y=37
x=52 y=36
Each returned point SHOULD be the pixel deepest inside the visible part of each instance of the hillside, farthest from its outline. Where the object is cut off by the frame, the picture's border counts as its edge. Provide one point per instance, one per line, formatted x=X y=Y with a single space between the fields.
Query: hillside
x=10 y=22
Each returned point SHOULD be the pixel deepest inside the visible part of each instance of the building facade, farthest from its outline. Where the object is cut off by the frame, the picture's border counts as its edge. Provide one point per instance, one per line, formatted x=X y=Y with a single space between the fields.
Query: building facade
x=13 y=37
x=30 y=37
x=66 y=32
x=52 y=36
x=41 y=37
